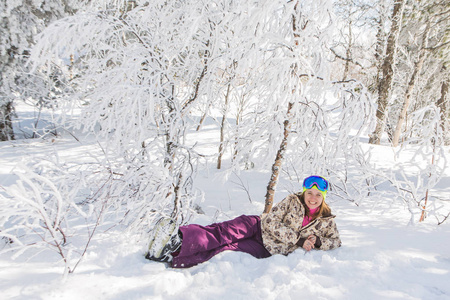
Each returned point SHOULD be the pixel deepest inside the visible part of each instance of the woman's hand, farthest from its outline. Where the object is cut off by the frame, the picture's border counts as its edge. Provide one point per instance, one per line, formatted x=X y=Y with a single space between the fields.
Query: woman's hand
x=309 y=243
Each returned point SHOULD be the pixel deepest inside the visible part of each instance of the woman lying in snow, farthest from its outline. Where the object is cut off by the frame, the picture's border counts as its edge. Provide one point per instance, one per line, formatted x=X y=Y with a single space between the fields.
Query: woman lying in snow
x=300 y=220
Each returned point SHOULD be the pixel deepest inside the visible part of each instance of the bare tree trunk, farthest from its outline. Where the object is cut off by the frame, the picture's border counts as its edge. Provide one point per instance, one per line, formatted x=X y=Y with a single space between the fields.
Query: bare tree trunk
x=222 y=128
x=348 y=52
x=423 y=215
x=379 y=50
x=239 y=116
x=411 y=85
x=442 y=103
x=175 y=114
x=387 y=72
x=380 y=46
x=203 y=118
x=6 y=128
x=276 y=167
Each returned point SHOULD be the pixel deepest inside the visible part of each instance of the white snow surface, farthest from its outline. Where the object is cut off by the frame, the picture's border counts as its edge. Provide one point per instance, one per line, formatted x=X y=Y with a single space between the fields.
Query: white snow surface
x=382 y=257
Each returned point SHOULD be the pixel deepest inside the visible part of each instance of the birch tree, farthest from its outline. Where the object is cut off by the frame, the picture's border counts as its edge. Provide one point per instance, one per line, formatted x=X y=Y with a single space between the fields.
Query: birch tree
x=142 y=71
x=441 y=51
x=411 y=85
x=387 y=71
x=421 y=45
x=293 y=115
x=443 y=104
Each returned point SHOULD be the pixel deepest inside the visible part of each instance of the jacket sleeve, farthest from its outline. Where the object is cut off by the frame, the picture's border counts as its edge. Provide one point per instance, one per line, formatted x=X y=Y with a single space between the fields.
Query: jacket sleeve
x=274 y=225
x=329 y=235
x=317 y=244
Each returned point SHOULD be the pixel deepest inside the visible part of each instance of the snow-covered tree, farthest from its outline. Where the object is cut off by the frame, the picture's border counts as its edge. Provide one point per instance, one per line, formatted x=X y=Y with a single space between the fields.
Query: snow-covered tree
x=352 y=45
x=385 y=82
x=142 y=72
x=144 y=75
x=423 y=53
x=21 y=21
x=43 y=209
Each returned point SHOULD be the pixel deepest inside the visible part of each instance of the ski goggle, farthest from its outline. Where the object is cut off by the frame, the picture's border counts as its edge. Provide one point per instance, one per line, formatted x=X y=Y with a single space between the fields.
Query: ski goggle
x=320 y=182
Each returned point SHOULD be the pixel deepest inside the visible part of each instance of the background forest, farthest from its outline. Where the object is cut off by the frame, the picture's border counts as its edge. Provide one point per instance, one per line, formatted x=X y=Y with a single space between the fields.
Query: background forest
x=292 y=88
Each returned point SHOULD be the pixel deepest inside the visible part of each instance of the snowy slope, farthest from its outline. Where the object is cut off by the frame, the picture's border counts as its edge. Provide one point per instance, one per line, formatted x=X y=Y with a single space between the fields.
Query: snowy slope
x=381 y=256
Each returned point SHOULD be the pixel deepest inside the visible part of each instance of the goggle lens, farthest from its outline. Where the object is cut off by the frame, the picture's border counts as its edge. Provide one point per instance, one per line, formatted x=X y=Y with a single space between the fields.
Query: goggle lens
x=319 y=182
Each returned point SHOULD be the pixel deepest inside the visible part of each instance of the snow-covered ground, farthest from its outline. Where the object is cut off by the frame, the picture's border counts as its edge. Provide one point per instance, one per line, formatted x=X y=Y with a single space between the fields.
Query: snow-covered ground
x=381 y=256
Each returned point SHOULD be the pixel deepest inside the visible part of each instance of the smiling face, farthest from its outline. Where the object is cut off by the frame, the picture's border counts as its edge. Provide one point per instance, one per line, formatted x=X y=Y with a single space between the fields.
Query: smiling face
x=313 y=198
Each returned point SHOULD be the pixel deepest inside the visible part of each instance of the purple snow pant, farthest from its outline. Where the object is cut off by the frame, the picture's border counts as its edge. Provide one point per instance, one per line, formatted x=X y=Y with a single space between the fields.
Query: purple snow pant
x=200 y=243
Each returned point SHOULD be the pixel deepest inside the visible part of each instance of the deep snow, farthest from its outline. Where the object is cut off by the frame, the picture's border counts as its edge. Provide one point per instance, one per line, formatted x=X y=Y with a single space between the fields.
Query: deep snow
x=382 y=257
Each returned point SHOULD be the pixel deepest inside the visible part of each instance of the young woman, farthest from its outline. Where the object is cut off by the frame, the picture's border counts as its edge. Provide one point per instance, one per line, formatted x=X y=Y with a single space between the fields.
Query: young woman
x=302 y=220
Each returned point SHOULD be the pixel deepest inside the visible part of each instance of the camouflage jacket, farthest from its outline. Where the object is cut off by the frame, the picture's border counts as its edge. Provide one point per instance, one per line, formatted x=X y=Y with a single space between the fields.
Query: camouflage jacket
x=282 y=227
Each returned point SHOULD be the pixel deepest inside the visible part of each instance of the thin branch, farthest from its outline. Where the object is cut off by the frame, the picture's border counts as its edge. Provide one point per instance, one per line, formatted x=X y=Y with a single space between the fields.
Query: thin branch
x=346 y=58
x=90 y=237
x=243 y=187
x=445 y=219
